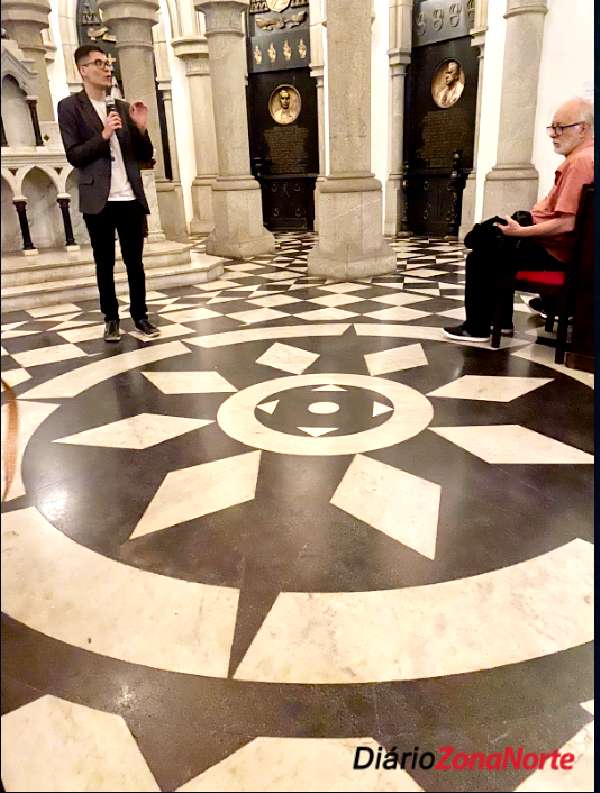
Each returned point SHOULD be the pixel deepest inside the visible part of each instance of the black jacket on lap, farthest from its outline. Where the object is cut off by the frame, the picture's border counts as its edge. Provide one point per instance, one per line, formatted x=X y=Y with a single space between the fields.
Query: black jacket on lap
x=486 y=235
x=81 y=131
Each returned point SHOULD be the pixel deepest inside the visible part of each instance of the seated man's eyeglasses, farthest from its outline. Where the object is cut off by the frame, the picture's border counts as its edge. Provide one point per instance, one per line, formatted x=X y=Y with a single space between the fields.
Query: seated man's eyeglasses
x=100 y=63
x=558 y=129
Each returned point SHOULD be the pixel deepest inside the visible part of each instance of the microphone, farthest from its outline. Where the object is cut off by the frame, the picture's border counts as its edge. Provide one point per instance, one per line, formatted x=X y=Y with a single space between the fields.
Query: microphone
x=111 y=105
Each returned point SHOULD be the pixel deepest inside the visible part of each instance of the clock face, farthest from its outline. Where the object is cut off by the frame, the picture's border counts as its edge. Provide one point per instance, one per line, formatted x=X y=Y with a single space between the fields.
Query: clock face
x=278 y=5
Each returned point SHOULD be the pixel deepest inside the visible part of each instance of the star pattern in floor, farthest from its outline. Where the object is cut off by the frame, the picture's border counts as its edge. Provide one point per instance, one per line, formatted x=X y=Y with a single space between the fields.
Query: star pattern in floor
x=299 y=521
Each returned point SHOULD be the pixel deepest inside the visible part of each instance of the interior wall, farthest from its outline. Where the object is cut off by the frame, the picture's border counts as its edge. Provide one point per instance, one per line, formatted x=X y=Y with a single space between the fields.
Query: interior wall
x=566 y=70
x=11 y=232
x=18 y=126
x=380 y=79
x=43 y=213
x=57 y=75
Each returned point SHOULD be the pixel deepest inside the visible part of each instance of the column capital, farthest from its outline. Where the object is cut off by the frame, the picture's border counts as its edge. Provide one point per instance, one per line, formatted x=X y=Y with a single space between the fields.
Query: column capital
x=317 y=70
x=518 y=7
x=29 y=12
x=190 y=48
x=399 y=57
x=222 y=16
x=478 y=37
x=115 y=11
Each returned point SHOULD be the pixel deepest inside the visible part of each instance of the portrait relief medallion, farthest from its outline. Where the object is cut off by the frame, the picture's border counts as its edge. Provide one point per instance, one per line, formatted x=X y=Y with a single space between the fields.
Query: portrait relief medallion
x=447 y=83
x=285 y=104
x=278 y=5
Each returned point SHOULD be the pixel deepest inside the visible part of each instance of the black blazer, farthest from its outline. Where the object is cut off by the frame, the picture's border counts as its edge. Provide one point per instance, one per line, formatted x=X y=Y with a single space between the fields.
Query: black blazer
x=81 y=128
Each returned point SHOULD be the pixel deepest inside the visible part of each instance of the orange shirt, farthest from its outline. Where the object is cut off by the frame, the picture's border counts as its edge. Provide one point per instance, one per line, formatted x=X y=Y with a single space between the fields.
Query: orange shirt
x=576 y=170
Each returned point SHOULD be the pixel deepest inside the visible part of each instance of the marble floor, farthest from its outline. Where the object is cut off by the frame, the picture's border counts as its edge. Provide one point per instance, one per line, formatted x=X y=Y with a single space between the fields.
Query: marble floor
x=298 y=523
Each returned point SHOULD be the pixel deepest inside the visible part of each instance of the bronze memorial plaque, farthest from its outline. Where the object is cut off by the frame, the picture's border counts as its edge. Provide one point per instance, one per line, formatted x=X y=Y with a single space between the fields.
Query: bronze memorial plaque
x=447 y=83
x=288 y=149
x=285 y=104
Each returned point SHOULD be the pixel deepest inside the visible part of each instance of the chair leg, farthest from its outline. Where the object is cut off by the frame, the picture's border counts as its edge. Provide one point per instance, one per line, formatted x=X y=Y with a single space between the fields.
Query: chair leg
x=549 y=326
x=497 y=321
x=561 y=335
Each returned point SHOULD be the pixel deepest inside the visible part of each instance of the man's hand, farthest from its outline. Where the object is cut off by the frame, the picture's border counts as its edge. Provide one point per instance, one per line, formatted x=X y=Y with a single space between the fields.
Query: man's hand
x=113 y=122
x=511 y=229
x=138 y=113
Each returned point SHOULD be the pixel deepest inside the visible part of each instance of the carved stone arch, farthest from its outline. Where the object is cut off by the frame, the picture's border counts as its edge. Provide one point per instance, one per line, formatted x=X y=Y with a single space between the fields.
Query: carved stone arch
x=39 y=186
x=10 y=180
x=14 y=64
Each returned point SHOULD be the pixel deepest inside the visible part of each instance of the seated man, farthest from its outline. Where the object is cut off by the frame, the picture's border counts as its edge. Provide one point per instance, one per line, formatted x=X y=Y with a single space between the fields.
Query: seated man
x=501 y=249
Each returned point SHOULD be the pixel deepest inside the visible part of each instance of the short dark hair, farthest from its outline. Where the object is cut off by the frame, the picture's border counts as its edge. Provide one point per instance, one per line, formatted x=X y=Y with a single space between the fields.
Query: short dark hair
x=83 y=52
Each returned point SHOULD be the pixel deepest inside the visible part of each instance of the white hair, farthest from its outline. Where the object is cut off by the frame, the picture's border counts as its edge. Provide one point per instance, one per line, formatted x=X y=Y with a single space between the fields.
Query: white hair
x=587 y=111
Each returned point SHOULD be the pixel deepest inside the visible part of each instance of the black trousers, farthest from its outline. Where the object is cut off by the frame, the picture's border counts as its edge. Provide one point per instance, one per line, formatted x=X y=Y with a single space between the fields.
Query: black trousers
x=128 y=220
x=492 y=267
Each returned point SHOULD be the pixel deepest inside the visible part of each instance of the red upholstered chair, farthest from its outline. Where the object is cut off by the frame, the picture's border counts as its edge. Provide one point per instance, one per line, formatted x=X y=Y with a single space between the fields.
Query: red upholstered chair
x=557 y=284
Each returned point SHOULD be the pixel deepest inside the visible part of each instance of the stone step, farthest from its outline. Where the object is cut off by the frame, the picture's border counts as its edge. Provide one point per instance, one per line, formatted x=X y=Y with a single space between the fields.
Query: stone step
x=59 y=265
x=200 y=270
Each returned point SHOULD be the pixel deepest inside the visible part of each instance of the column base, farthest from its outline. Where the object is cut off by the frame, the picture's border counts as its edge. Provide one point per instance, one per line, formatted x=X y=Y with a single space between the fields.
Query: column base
x=508 y=188
x=203 y=220
x=155 y=232
x=393 y=207
x=171 y=210
x=30 y=252
x=467 y=220
x=351 y=243
x=238 y=230
x=72 y=248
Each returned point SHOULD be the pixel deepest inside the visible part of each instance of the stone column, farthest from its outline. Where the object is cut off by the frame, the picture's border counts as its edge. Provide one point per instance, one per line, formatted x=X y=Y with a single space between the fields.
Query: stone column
x=399 y=56
x=24 y=21
x=64 y=200
x=317 y=70
x=237 y=201
x=513 y=182
x=351 y=243
x=33 y=112
x=469 y=194
x=193 y=51
x=20 y=204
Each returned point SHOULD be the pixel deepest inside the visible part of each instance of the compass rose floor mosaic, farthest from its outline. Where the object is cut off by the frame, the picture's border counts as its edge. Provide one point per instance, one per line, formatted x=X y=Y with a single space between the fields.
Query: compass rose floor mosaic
x=299 y=522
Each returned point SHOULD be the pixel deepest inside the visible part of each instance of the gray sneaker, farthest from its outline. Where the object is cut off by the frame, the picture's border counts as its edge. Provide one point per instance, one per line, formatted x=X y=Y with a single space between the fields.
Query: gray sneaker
x=111 y=331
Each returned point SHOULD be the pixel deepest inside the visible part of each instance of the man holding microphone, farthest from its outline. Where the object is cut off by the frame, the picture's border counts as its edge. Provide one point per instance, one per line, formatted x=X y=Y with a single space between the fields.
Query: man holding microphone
x=105 y=140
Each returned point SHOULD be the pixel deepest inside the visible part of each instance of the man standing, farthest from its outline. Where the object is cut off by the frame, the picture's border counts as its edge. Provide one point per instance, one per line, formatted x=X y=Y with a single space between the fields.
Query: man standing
x=502 y=250
x=105 y=145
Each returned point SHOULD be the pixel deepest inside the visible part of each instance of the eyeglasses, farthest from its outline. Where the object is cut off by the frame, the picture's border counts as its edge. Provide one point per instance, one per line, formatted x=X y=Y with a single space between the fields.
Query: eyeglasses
x=100 y=63
x=558 y=129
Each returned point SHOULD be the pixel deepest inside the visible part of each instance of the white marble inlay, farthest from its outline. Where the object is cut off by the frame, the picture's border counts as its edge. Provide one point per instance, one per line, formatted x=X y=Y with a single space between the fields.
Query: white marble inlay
x=273 y=300
x=17 y=333
x=343 y=288
x=426 y=272
x=166 y=332
x=190 y=382
x=52 y=354
x=73 y=323
x=257 y=315
x=82 y=333
x=13 y=325
x=403 y=506
x=78 y=380
x=297 y=765
x=254 y=334
x=52 y=744
x=588 y=705
x=329 y=388
x=31 y=415
x=190 y=314
x=529 y=610
x=317 y=432
x=379 y=408
x=511 y=443
x=412 y=414
x=269 y=407
x=397 y=313
x=490 y=388
x=454 y=313
x=3 y=352
x=126 y=613
x=14 y=377
x=424 y=332
x=335 y=299
x=137 y=432
x=213 y=286
x=190 y=493
x=396 y=359
x=48 y=311
x=323 y=408
x=539 y=353
x=398 y=299
x=320 y=314
x=287 y=358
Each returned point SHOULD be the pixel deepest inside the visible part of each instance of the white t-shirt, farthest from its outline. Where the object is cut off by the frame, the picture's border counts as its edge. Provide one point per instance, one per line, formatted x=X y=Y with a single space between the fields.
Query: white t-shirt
x=120 y=188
